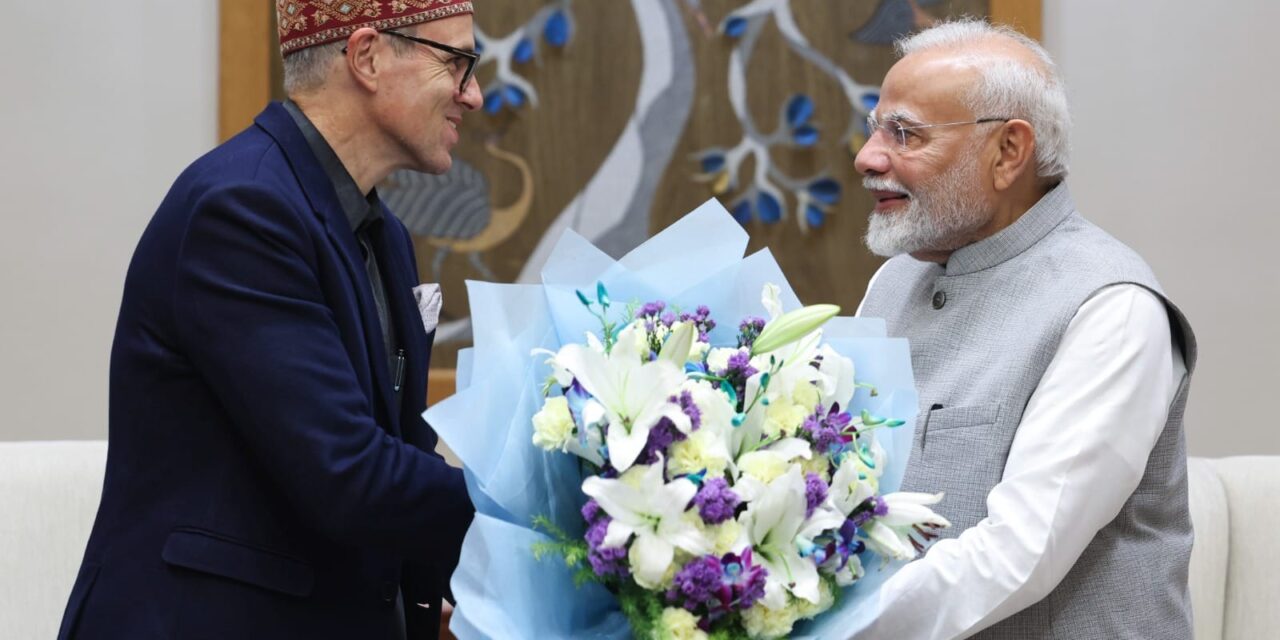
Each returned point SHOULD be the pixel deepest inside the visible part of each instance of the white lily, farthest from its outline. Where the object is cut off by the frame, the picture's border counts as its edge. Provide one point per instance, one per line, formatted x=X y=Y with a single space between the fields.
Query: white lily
x=781 y=384
x=587 y=445
x=678 y=344
x=712 y=404
x=773 y=523
x=559 y=373
x=653 y=512
x=770 y=298
x=848 y=488
x=594 y=342
x=634 y=394
x=794 y=362
x=836 y=378
x=890 y=535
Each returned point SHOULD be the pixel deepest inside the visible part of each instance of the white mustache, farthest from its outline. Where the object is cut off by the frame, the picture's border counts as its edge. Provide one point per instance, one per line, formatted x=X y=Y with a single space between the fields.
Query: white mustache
x=871 y=183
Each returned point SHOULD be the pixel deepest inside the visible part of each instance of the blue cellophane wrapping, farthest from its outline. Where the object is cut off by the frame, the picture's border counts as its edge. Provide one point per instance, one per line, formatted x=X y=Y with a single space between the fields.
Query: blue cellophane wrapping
x=501 y=590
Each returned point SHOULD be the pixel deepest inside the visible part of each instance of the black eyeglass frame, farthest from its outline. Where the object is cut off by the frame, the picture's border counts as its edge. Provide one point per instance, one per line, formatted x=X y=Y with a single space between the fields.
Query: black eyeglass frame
x=472 y=57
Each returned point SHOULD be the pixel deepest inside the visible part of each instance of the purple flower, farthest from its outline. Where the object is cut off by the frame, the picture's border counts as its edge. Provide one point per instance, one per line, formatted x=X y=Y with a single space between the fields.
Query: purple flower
x=740 y=366
x=701 y=319
x=842 y=544
x=661 y=436
x=668 y=318
x=827 y=431
x=748 y=330
x=605 y=561
x=743 y=580
x=685 y=400
x=697 y=583
x=736 y=373
x=875 y=506
x=815 y=491
x=716 y=501
x=651 y=309
x=716 y=586
x=591 y=510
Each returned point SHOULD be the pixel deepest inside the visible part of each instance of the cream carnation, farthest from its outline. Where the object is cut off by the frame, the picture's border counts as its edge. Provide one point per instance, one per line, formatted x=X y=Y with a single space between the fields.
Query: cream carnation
x=553 y=424
x=763 y=622
x=783 y=417
x=678 y=624
x=697 y=453
x=764 y=466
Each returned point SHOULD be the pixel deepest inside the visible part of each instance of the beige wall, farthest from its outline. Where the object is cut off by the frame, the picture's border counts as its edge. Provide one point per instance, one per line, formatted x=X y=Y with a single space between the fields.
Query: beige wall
x=101 y=105
x=1174 y=147
x=1175 y=152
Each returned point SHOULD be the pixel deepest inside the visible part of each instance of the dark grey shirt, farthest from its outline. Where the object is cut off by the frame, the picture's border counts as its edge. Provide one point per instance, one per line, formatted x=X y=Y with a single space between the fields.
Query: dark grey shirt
x=365 y=215
x=364 y=212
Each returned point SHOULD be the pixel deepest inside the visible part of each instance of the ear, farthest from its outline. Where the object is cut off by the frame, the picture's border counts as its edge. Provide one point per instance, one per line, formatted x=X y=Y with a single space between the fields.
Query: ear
x=1016 y=154
x=362 y=58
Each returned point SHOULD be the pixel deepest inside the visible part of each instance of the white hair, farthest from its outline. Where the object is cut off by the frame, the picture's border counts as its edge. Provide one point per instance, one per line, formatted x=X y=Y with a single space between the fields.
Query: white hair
x=1009 y=87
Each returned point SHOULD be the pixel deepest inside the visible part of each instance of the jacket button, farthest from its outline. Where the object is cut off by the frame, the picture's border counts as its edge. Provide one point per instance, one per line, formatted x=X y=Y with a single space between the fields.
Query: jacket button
x=939 y=299
x=389 y=591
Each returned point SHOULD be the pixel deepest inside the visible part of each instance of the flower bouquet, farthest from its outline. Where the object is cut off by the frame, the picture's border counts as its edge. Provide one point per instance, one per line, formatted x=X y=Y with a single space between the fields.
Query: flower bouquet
x=721 y=481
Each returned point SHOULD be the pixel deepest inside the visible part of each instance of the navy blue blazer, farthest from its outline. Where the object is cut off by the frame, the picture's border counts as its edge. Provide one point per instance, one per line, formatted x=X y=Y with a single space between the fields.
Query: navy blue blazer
x=259 y=483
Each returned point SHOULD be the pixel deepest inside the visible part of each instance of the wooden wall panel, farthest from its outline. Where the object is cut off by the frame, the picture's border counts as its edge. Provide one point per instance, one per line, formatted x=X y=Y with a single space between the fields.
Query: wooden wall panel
x=586 y=92
x=246 y=46
x=1024 y=15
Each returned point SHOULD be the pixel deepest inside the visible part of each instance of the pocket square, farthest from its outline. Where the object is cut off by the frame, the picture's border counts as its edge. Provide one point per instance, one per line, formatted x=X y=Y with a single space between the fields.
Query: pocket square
x=429 y=302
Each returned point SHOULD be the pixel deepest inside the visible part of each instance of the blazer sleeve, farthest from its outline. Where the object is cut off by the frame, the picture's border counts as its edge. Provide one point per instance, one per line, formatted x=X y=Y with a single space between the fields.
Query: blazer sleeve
x=253 y=319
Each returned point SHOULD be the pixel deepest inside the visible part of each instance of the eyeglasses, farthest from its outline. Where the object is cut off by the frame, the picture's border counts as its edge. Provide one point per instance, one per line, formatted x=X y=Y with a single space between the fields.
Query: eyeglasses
x=905 y=135
x=465 y=60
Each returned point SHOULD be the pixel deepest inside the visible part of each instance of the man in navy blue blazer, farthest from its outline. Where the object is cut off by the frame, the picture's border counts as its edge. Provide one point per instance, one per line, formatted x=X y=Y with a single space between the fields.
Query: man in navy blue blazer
x=269 y=474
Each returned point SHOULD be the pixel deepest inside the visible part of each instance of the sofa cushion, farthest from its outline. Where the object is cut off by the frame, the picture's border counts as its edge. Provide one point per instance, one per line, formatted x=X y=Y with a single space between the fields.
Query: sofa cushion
x=1253 y=567
x=49 y=494
x=1209 y=517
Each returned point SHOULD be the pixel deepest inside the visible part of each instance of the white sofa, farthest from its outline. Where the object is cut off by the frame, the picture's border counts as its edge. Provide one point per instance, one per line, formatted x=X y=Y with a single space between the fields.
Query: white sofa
x=1235 y=564
x=49 y=493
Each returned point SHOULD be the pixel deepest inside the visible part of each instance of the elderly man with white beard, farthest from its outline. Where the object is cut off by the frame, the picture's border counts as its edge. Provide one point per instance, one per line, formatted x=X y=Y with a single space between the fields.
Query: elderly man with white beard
x=1052 y=370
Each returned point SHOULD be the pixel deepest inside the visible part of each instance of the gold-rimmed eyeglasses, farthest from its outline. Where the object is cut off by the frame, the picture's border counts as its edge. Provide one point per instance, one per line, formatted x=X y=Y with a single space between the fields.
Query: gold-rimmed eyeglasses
x=905 y=134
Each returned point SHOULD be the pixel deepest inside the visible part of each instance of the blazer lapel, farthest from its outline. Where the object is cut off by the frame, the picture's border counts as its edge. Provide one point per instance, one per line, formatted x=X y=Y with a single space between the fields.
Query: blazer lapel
x=405 y=317
x=324 y=201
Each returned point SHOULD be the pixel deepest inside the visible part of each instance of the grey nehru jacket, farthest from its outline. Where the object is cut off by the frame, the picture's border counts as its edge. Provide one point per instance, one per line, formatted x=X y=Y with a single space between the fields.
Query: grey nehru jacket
x=983 y=330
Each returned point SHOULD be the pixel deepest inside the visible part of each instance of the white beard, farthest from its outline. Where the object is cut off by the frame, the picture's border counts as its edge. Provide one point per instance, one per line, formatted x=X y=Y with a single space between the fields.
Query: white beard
x=941 y=215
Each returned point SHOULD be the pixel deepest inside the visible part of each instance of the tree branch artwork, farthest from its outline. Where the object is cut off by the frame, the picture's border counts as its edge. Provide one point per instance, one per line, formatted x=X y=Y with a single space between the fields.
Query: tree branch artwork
x=552 y=24
x=762 y=196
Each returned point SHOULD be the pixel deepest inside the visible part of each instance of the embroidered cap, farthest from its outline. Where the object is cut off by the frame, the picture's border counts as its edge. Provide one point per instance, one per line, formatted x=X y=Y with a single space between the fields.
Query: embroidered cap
x=307 y=23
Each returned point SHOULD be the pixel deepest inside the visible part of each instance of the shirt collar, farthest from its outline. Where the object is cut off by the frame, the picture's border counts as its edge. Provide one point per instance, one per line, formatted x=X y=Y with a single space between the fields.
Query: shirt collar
x=360 y=209
x=1028 y=229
